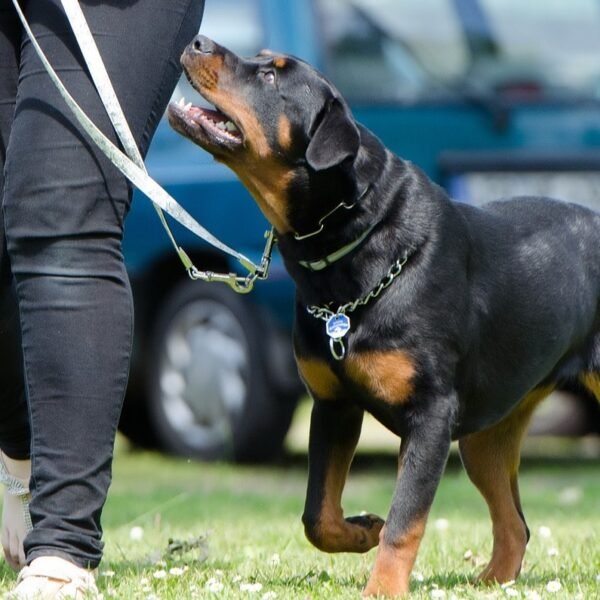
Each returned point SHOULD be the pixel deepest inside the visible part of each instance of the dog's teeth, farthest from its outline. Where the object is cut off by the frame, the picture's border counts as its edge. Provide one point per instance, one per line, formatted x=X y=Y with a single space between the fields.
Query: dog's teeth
x=181 y=102
x=221 y=125
x=187 y=106
x=230 y=126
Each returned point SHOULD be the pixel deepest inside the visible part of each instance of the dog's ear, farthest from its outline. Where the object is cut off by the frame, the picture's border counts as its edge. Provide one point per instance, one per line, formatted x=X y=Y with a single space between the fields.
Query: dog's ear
x=335 y=138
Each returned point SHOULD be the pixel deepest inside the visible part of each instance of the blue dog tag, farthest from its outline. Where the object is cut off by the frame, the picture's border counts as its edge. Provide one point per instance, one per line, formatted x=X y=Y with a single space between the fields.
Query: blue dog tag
x=337 y=326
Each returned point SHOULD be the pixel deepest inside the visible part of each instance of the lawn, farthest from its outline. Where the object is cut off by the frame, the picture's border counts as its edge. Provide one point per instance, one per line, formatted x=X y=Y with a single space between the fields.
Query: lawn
x=176 y=529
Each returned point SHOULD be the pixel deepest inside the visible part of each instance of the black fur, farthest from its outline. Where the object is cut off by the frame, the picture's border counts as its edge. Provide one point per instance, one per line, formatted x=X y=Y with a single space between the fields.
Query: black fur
x=493 y=304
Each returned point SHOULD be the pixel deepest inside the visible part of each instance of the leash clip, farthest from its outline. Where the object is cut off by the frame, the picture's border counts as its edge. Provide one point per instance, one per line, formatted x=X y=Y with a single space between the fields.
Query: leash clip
x=238 y=283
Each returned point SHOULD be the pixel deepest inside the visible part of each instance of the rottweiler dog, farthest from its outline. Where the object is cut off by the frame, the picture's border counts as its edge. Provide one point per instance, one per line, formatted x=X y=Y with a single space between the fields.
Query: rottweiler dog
x=445 y=321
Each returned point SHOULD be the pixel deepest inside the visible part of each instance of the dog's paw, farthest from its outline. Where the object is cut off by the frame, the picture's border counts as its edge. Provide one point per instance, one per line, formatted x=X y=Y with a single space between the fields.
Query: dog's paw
x=368 y=521
x=371 y=525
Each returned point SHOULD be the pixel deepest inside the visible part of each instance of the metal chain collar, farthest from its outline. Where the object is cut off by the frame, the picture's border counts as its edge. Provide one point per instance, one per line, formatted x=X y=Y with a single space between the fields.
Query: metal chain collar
x=337 y=323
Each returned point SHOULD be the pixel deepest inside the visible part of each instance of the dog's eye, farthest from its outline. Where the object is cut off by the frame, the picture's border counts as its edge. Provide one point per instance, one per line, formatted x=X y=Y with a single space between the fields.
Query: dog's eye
x=268 y=76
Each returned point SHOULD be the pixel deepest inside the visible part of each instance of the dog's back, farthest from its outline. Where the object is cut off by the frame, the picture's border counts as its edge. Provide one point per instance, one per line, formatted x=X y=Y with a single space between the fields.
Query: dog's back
x=535 y=292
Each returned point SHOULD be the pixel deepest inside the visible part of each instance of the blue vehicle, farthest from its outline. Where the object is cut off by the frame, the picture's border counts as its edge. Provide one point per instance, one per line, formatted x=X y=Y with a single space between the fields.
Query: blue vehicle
x=490 y=97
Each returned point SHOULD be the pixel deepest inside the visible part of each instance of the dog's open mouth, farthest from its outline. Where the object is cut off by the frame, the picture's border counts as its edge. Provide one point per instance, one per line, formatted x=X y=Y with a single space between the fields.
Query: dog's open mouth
x=210 y=129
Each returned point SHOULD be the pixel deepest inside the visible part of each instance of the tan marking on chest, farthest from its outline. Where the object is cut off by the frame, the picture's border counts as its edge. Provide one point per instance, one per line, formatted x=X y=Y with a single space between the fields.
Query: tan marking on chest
x=319 y=378
x=388 y=376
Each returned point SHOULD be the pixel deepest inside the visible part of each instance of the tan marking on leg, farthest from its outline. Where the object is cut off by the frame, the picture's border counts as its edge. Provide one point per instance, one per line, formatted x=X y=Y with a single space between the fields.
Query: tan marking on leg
x=387 y=375
x=391 y=573
x=491 y=459
x=333 y=532
x=280 y=62
x=319 y=378
x=284 y=132
x=591 y=382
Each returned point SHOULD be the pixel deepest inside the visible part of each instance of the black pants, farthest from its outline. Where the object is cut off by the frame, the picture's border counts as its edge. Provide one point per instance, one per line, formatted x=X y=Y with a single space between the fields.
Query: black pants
x=66 y=313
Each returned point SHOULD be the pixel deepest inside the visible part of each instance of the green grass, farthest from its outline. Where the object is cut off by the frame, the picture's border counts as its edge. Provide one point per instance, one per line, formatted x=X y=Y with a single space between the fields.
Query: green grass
x=242 y=526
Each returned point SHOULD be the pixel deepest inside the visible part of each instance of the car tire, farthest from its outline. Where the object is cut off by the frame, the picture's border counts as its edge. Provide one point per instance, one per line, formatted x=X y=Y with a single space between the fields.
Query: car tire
x=208 y=385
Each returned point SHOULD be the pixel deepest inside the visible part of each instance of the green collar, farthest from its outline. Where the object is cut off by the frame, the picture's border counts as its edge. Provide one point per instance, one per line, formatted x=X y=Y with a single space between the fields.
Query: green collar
x=319 y=265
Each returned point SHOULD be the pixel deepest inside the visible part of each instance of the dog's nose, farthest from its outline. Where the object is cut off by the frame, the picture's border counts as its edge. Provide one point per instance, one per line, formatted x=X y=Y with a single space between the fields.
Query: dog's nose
x=203 y=44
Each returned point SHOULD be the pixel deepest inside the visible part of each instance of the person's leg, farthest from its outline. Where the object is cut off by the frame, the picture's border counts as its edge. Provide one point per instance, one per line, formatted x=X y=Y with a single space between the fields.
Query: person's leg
x=15 y=466
x=14 y=421
x=64 y=207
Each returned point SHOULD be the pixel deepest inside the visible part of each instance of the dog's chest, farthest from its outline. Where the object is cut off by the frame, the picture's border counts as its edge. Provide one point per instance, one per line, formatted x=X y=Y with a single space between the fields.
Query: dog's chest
x=384 y=376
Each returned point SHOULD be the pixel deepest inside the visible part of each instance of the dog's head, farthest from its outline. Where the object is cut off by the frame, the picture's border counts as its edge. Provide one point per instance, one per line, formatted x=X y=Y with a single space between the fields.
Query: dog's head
x=279 y=124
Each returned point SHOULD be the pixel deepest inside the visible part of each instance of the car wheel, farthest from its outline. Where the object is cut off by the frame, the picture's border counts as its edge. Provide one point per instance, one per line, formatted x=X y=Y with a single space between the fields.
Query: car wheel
x=208 y=390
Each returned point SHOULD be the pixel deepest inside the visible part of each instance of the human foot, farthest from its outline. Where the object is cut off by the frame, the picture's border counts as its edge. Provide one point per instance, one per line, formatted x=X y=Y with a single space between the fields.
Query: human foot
x=16 y=520
x=54 y=578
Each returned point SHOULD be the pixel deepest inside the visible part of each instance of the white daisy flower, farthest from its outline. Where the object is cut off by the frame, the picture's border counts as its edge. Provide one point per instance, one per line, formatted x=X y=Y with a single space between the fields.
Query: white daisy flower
x=545 y=532
x=275 y=560
x=441 y=524
x=136 y=533
x=214 y=586
x=553 y=586
x=251 y=588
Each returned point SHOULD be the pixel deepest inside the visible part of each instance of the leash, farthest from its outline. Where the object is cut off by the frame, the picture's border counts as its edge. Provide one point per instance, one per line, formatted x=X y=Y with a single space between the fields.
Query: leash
x=337 y=323
x=132 y=164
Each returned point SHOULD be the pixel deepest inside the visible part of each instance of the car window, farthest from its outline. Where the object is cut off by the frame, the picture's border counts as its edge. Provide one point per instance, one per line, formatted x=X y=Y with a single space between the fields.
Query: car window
x=382 y=50
x=389 y=50
x=235 y=24
x=551 y=42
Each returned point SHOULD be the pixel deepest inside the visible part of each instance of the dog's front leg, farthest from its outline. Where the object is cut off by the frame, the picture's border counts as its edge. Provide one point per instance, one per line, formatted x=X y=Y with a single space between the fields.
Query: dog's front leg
x=334 y=431
x=423 y=456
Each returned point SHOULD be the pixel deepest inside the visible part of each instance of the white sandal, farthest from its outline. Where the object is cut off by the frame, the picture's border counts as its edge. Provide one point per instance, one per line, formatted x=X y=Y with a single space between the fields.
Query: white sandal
x=54 y=578
x=16 y=520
